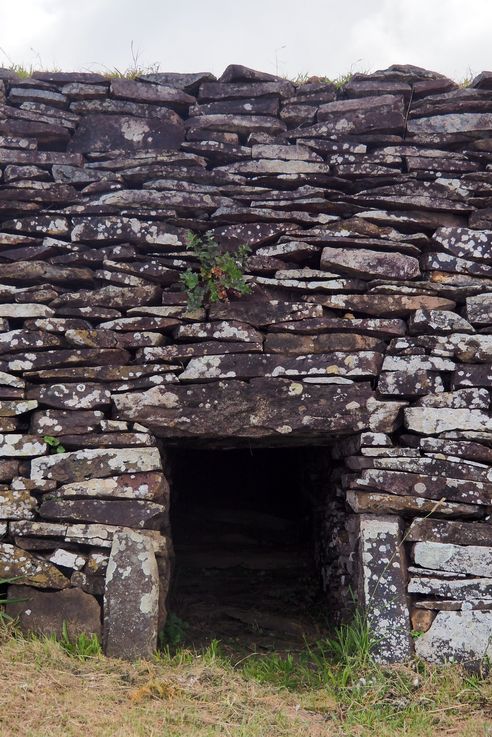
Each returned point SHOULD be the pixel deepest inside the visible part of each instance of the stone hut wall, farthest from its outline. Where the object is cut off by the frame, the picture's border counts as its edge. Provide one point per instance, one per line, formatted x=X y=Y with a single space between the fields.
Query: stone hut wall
x=368 y=212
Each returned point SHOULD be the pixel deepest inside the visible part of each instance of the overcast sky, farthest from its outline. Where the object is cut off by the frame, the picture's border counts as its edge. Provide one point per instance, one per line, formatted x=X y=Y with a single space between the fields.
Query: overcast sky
x=290 y=37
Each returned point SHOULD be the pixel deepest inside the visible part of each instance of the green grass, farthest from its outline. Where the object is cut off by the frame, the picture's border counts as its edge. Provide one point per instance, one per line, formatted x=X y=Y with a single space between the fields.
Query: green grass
x=339 y=674
x=81 y=647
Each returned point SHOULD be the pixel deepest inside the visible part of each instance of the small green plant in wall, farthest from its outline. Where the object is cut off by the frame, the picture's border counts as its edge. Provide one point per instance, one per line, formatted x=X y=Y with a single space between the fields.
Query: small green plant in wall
x=54 y=444
x=220 y=275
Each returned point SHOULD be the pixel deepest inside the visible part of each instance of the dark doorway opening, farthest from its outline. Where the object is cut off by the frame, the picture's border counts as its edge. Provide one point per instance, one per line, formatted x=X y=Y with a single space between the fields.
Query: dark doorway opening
x=244 y=525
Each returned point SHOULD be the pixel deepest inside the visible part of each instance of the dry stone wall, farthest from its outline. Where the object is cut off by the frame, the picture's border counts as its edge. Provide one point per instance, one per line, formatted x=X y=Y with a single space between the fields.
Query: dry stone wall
x=368 y=212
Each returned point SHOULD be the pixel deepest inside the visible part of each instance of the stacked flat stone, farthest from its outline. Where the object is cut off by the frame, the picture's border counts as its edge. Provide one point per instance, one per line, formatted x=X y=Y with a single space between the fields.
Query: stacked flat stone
x=368 y=212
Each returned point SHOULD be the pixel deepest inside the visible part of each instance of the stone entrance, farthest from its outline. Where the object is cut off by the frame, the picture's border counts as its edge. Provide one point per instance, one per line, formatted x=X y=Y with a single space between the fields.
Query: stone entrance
x=367 y=331
x=246 y=528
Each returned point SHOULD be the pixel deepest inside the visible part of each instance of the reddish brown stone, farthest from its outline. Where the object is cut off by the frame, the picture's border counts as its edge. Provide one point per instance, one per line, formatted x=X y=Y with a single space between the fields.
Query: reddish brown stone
x=48 y=613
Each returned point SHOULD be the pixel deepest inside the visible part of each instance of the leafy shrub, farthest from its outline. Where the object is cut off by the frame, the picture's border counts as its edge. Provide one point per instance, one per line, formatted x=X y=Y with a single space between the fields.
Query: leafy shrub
x=220 y=274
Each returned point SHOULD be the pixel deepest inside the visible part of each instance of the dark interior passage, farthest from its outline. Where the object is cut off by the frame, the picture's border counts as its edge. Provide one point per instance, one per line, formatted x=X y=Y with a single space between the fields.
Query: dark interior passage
x=243 y=526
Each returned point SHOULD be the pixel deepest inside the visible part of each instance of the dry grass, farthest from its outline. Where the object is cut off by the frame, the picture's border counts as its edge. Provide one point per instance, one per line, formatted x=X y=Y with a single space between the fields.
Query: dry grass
x=43 y=691
x=46 y=693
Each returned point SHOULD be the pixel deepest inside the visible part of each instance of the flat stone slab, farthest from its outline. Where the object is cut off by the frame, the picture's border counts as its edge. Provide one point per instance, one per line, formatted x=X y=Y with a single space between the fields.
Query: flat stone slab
x=21 y=446
x=424 y=486
x=410 y=383
x=463 y=637
x=152 y=486
x=100 y=132
x=29 y=570
x=61 y=422
x=47 y=613
x=479 y=309
x=438 y=321
x=16 y=503
x=368 y=264
x=474 y=560
x=468 y=588
x=94 y=535
x=85 y=464
x=133 y=513
x=465 y=242
x=80 y=396
x=131 y=598
x=432 y=420
x=379 y=503
x=452 y=532
x=383 y=305
x=458 y=448
x=361 y=364
x=256 y=409
x=222 y=330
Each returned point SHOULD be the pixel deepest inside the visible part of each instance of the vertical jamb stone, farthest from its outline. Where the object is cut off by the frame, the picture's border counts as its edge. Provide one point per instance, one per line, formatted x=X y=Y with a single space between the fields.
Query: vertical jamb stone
x=131 y=597
x=383 y=586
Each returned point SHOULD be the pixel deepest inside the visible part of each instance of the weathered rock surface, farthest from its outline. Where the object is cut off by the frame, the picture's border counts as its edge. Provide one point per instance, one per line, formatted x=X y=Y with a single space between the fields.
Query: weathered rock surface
x=86 y=464
x=374 y=502
x=151 y=486
x=361 y=364
x=131 y=598
x=29 y=570
x=99 y=132
x=16 y=504
x=462 y=637
x=133 y=513
x=459 y=588
x=384 y=593
x=367 y=330
x=473 y=560
x=368 y=264
x=48 y=613
x=248 y=410
x=435 y=420
x=452 y=532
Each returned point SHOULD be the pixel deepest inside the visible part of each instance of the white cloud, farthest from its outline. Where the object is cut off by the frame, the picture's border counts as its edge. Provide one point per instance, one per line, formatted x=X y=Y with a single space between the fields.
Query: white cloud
x=315 y=37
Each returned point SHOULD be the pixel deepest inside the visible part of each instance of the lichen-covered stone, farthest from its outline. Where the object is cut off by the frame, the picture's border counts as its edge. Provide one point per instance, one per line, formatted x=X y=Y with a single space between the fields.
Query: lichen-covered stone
x=382 y=565
x=368 y=264
x=131 y=598
x=435 y=420
x=82 y=396
x=474 y=560
x=260 y=408
x=26 y=446
x=374 y=502
x=100 y=132
x=84 y=464
x=479 y=309
x=459 y=588
x=361 y=364
x=59 y=422
x=151 y=486
x=422 y=484
x=134 y=513
x=16 y=503
x=438 y=321
x=29 y=570
x=94 y=535
x=457 y=637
